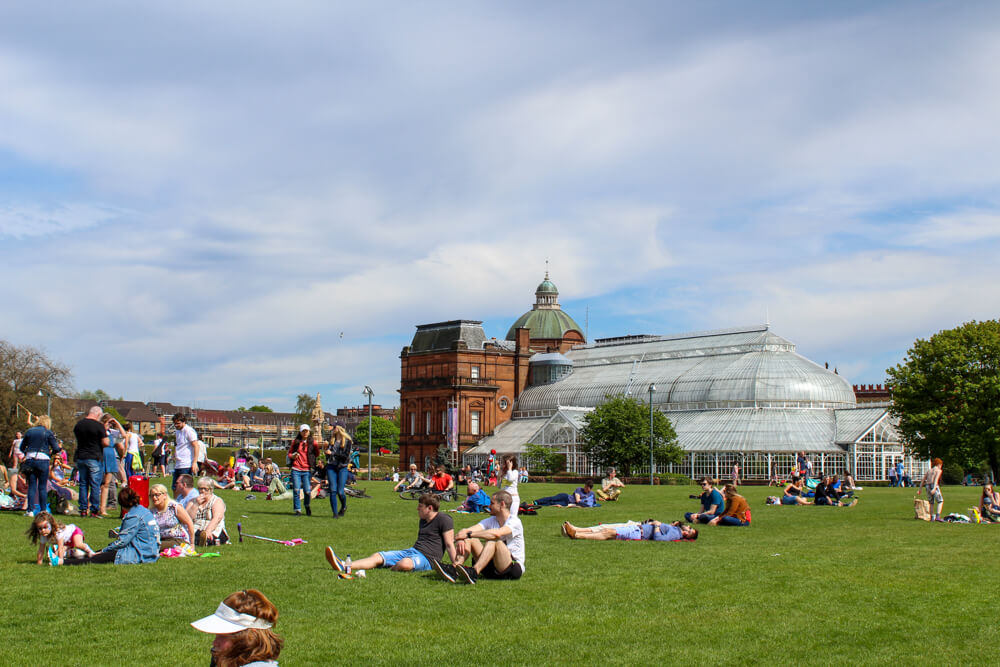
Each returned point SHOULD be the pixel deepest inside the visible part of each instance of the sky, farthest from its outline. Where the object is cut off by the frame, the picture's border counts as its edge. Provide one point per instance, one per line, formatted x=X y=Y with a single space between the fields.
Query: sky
x=229 y=203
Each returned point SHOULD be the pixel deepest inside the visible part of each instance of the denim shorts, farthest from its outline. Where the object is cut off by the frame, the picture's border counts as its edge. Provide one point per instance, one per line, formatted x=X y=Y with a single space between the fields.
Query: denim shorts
x=420 y=561
x=629 y=532
x=789 y=500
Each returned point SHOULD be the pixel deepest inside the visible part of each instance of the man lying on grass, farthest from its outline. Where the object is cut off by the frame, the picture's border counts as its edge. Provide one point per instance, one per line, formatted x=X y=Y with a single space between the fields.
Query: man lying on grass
x=583 y=496
x=435 y=535
x=495 y=543
x=647 y=530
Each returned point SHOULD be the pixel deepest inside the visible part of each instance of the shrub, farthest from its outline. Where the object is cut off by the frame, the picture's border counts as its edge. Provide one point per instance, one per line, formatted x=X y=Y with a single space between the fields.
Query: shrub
x=674 y=479
x=952 y=473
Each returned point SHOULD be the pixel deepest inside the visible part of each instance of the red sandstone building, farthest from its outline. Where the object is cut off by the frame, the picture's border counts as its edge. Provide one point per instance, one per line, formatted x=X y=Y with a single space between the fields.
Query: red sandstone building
x=453 y=366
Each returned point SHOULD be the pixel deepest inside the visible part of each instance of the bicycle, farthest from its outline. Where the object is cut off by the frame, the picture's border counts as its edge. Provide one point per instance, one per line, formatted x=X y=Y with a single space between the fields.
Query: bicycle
x=448 y=495
x=355 y=493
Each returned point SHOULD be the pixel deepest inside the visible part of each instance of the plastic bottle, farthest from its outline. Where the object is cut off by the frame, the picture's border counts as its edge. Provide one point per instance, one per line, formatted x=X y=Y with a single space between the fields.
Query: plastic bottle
x=347 y=564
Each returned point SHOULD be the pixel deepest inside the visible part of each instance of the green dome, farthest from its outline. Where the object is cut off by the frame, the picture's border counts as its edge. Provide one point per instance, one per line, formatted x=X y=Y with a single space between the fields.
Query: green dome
x=545 y=323
x=546 y=287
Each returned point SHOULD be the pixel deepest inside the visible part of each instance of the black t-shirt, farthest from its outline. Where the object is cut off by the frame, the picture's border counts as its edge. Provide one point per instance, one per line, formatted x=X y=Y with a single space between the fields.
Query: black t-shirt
x=89 y=436
x=430 y=536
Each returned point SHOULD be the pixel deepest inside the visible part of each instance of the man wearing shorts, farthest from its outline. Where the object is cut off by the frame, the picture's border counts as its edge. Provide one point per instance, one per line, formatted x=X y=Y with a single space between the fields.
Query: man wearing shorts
x=495 y=543
x=435 y=535
x=655 y=531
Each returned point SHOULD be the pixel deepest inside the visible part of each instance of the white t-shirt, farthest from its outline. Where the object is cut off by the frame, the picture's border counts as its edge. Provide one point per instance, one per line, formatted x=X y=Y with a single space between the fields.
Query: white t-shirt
x=184 y=443
x=132 y=443
x=62 y=537
x=514 y=541
x=509 y=482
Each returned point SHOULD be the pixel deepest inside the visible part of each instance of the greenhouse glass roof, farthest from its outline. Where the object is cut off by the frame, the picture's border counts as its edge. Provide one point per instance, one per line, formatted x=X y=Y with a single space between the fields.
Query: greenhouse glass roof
x=729 y=368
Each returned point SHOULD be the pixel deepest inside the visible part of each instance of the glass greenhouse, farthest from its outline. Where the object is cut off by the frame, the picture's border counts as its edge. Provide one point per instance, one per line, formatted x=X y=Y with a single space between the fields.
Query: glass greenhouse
x=734 y=395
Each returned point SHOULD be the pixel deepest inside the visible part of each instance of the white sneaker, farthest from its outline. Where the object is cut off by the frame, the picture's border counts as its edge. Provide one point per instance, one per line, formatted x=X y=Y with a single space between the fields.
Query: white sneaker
x=360 y=573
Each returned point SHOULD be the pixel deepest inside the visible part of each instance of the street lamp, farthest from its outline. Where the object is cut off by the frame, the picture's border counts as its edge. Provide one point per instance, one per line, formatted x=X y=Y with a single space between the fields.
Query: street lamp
x=48 y=410
x=370 y=394
x=652 y=388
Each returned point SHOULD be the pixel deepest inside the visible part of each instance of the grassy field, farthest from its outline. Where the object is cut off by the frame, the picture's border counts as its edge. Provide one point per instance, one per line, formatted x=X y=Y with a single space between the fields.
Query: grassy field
x=817 y=585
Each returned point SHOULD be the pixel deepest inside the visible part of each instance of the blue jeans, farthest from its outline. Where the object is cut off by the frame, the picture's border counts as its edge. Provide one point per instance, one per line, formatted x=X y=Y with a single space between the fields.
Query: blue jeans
x=177 y=473
x=36 y=471
x=337 y=479
x=702 y=517
x=558 y=499
x=89 y=471
x=300 y=480
x=732 y=521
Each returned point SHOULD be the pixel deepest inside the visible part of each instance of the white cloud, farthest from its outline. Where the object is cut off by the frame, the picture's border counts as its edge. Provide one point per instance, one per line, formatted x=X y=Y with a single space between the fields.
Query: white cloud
x=229 y=202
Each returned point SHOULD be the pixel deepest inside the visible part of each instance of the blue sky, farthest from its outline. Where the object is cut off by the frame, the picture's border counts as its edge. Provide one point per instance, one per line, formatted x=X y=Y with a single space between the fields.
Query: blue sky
x=197 y=199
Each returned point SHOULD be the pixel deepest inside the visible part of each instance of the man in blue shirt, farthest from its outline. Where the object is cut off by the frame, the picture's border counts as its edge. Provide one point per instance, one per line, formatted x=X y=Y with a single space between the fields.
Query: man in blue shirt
x=712 y=504
x=583 y=496
x=477 y=501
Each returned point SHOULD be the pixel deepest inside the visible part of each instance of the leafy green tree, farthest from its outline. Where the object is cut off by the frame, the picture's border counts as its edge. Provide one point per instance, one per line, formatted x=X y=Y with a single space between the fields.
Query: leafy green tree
x=259 y=408
x=384 y=434
x=303 y=409
x=547 y=460
x=946 y=395
x=96 y=396
x=616 y=434
x=114 y=413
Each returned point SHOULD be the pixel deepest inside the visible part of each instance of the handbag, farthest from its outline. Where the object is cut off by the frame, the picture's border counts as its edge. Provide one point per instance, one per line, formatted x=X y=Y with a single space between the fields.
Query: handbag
x=921 y=509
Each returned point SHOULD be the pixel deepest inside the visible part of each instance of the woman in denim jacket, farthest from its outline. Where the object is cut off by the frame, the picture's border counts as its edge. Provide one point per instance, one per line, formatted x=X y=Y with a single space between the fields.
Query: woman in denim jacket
x=138 y=537
x=38 y=446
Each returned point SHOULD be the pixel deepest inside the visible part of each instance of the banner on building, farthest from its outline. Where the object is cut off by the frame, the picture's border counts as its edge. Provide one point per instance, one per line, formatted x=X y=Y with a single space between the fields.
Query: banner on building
x=452 y=433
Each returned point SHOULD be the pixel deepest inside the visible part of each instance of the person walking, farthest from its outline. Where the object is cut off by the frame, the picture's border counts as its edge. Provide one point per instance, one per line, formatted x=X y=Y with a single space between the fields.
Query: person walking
x=302 y=454
x=338 y=453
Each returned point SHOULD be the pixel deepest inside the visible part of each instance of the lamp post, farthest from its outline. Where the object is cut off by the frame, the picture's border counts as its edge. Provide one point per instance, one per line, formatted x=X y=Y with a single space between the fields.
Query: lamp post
x=370 y=394
x=48 y=409
x=652 y=388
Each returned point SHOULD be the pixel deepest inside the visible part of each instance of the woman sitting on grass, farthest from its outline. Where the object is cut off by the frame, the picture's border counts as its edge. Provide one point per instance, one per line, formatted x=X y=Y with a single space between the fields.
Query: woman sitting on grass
x=989 y=504
x=737 y=512
x=794 y=494
x=209 y=514
x=138 y=536
x=650 y=529
x=242 y=628
x=54 y=539
x=174 y=522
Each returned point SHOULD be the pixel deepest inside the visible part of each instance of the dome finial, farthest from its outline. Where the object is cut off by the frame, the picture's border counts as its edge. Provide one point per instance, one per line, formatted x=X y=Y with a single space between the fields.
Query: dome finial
x=546 y=268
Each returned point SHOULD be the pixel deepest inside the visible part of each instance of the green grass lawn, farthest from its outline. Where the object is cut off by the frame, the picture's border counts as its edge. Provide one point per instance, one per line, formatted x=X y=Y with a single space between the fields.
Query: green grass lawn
x=805 y=585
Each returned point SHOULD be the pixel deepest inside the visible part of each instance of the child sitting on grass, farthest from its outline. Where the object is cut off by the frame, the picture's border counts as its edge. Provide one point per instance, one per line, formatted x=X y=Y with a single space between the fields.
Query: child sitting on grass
x=53 y=539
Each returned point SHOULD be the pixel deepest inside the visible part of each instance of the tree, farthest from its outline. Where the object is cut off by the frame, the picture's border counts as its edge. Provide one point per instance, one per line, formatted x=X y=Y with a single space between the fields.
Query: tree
x=946 y=395
x=548 y=460
x=616 y=434
x=384 y=434
x=254 y=408
x=303 y=409
x=24 y=372
x=95 y=396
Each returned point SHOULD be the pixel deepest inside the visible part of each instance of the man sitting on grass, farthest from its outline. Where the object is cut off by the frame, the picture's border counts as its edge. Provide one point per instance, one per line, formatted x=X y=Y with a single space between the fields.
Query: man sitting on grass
x=583 y=496
x=435 y=535
x=711 y=503
x=647 y=530
x=477 y=500
x=611 y=486
x=495 y=543
x=413 y=480
x=441 y=480
x=827 y=494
